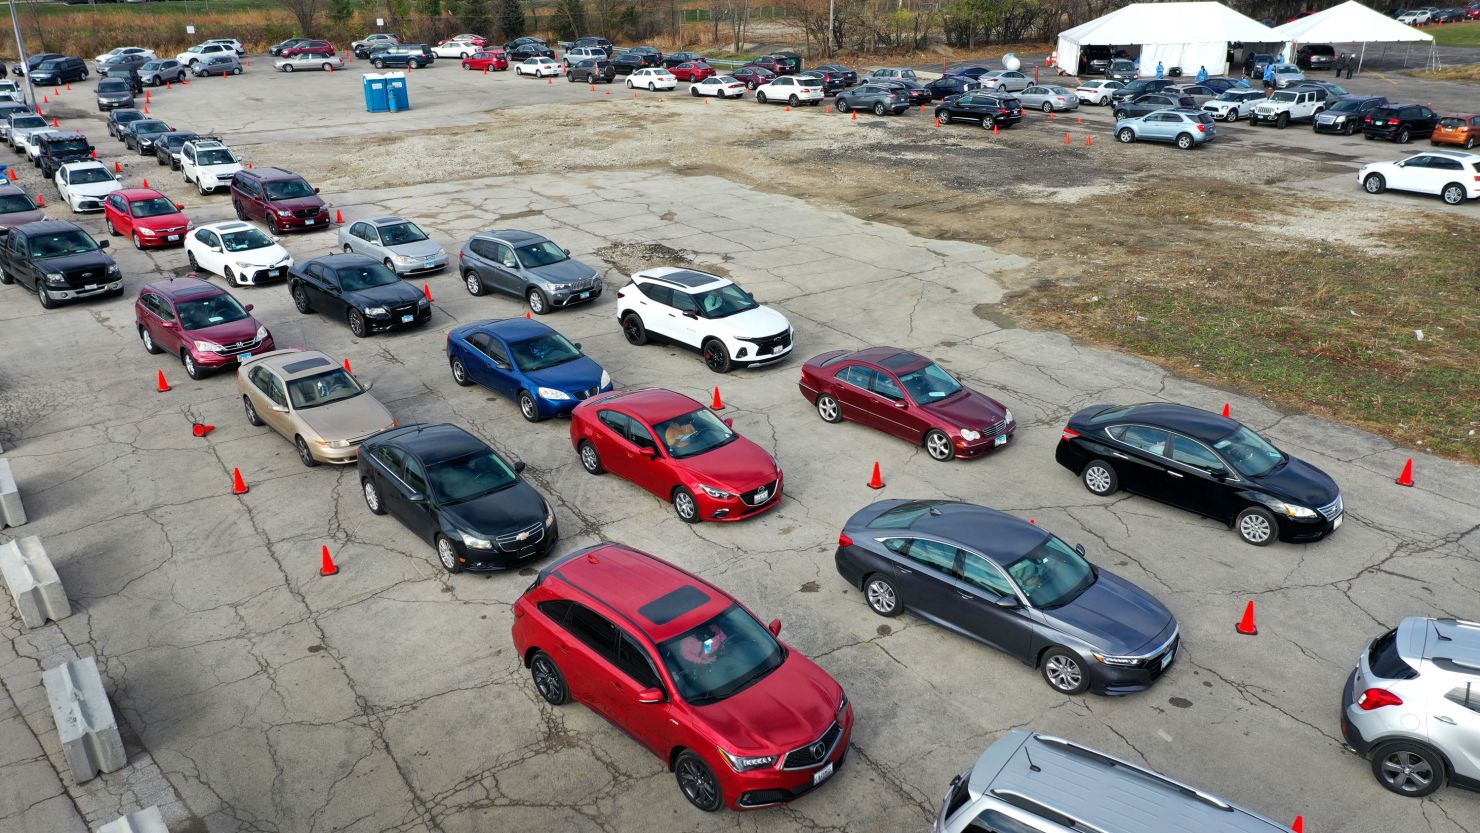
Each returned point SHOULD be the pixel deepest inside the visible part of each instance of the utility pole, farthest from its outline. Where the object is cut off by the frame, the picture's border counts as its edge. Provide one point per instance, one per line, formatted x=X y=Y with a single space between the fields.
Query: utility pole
x=829 y=42
x=20 y=47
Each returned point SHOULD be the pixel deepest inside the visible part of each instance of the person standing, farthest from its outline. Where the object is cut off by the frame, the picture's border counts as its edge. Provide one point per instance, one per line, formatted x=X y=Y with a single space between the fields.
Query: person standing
x=1351 y=64
x=1202 y=74
x=1249 y=63
x=1161 y=71
x=1269 y=79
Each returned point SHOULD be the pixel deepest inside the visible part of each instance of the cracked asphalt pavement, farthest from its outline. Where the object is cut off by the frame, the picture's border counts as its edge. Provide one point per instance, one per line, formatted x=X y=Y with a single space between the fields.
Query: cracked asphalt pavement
x=257 y=696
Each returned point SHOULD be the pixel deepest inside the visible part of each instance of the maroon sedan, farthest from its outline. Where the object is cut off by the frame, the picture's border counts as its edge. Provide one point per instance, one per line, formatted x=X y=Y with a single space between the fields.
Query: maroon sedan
x=909 y=396
x=692 y=71
x=201 y=323
x=753 y=76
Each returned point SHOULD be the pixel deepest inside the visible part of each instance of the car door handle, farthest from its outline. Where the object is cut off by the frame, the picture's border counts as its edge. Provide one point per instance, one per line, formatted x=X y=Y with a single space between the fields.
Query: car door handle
x=907 y=571
x=964 y=595
x=1118 y=454
x=1444 y=719
x=1174 y=473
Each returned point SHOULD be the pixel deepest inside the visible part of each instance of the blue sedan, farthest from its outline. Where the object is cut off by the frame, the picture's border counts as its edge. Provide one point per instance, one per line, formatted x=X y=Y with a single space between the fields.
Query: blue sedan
x=1186 y=128
x=526 y=361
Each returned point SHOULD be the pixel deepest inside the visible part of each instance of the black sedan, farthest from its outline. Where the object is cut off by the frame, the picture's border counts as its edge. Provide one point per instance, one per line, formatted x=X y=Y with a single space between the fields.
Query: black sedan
x=1013 y=585
x=529 y=49
x=677 y=58
x=458 y=495
x=974 y=73
x=627 y=63
x=167 y=147
x=949 y=85
x=991 y=109
x=1205 y=463
x=140 y=135
x=880 y=98
x=118 y=120
x=849 y=76
x=360 y=290
x=1150 y=103
x=651 y=57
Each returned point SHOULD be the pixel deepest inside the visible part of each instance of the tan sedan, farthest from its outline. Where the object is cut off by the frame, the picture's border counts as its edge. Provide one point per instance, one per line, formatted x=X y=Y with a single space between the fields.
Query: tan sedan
x=313 y=402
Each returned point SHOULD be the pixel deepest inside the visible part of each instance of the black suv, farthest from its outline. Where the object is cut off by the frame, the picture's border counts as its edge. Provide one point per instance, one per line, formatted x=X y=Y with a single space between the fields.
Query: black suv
x=989 y=108
x=627 y=63
x=1399 y=122
x=593 y=71
x=1344 y=114
x=59 y=262
x=59 y=71
x=1315 y=56
x=59 y=147
x=1141 y=86
x=650 y=55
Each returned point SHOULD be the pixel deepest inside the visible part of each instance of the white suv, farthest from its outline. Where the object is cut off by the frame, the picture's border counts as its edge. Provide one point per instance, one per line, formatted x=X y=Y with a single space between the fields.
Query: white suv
x=209 y=164
x=1234 y=104
x=581 y=53
x=703 y=312
x=791 y=90
x=1451 y=174
x=209 y=49
x=1286 y=106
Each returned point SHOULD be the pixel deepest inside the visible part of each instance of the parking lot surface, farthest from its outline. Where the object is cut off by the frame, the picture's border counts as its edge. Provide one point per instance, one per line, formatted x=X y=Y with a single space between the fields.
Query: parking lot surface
x=259 y=696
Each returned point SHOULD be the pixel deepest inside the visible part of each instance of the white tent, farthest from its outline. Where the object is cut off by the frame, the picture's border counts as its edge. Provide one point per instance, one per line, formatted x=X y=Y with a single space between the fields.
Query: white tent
x=1186 y=35
x=1350 y=22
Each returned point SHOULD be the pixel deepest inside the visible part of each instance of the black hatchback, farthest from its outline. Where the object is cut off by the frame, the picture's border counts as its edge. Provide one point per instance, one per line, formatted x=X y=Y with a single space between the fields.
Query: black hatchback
x=1204 y=463
x=1400 y=122
x=458 y=495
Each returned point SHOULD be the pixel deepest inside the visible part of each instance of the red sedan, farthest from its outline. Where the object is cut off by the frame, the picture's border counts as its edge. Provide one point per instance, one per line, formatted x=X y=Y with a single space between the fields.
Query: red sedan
x=692 y=71
x=677 y=449
x=909 y=396
x=486 y=60
x=147 y=216
x=753 y=76
x=686 y=670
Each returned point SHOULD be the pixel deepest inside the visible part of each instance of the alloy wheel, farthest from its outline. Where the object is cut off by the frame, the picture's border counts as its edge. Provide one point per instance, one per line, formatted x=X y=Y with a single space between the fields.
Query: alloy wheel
x=697 y=783
x=474 y=285
x=547 y=679
x=1097 y=478
x=1063 y=673
x=447 y=555
x=372 y=496
x=881 y=597
x=938 y=445
x=1254 y=527
x=684 y=503
x=589 y=459
x=827 y=408
x=1407 y=772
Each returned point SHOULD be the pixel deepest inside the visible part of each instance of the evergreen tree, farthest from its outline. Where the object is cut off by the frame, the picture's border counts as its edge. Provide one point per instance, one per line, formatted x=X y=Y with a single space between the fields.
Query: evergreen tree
x=476 y=16
x=569 y=20
x=510 y=19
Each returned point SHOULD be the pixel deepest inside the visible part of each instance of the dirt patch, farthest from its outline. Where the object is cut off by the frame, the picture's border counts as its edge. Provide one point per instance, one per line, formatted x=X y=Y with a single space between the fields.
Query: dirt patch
x=626 y=258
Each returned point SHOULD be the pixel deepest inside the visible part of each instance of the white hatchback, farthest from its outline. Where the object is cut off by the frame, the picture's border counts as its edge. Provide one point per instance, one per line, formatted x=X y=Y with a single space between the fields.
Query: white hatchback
x=239 y=252
x=538 y=67
x=791 y=90
x=652 y=78
x=1452 y=175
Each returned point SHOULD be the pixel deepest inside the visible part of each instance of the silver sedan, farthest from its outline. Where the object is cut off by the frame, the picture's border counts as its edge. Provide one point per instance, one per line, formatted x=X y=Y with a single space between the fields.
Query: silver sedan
x=395 y=241
x=1049 y=97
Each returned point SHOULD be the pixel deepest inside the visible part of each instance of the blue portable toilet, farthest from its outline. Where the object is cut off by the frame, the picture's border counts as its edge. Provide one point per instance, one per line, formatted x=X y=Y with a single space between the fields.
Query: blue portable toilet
x=397 y=96
x=376 y=99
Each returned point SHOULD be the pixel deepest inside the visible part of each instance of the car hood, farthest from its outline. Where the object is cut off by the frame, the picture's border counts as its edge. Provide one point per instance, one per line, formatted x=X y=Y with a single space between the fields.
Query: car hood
x=162 y=221
x=83 y=260
x=17 y=218
x=296 y=204
x=507 y=510
x=116 y=95
x=421 y=248
x=265 y=256
x=223 y=168
x=347 y=419
x=228 y=333
x=754 y=323
x=737 y=466
x=788 y=708
x=569 y=270
x=1114 y=616
x=392 y=293
x=1299 y=482
x=574 y=375
x=968 y=409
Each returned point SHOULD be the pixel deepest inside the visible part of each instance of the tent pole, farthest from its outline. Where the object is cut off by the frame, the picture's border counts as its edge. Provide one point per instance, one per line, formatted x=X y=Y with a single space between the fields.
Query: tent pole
x=1361 y=56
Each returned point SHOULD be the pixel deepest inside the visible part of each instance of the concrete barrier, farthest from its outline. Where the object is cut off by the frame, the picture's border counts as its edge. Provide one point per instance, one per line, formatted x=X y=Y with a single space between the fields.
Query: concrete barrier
x=85 y=722
x=12 y=513
x=33 y=582
x=147 y=820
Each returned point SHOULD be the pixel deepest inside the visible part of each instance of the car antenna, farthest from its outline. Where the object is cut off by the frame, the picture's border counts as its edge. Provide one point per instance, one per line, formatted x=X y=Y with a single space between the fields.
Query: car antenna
x=1032 y=766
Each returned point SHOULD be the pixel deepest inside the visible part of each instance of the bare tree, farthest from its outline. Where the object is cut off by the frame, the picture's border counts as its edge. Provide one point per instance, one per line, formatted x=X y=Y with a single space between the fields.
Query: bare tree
x=307 y=13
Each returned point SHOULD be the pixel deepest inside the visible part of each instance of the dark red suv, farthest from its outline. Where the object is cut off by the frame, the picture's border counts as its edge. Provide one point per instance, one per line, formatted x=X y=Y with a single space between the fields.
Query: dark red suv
x=281 y=199
x=200 y=323
x=315 y=46
x=686 y=670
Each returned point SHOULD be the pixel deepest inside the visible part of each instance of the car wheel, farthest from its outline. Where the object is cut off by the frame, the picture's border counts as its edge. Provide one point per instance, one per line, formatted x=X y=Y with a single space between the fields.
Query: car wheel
x=45 y=298
x=880 y=109
x=1282 y=121
x=287 y=67
x=529 y=408
x=368 y=488
x=158 y=161
x=1231 y=116
x=378 y=64
x=793 y=101
x=236 y=71
x=987 y=123
x=252 y=417
x=1374 y=184
x=473 y=283
x=304 y=455
x=138 y=242
x=686 y=505
x=1469 y=142
x=1403 y=136
x=881 y=596
x=548 y=680
x=1047 y=107
x=300 y=300
x=697 y=782
x=327 y=67
x=1256 y=526
x=760 y=97
x=716 y=356
x=272 y=225
x=1100 y=478
x=5 y=278
x=241 y=213
x=460 y=374
x=1064 y=672
x=634 y=331
x=652 y=86
x=1454 y=193
x=447 y=555
x=1408 y=768
x=1349 y=129
x=389 y=264
x=1126 y=135
x=938 y=445
x=944 y=116
x=843 y=105
x=1117 y=114
x=537 y=303
x=693 y=91
x=108 y=223
x=590 y=460
x=193 y=370
x=148 y=339
x=828 y=409
x=357 y=324
x=1184 y=141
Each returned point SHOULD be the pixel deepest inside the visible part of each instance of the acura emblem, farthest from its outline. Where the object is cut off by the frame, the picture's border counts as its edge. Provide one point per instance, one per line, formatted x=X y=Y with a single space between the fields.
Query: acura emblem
x=817 y=749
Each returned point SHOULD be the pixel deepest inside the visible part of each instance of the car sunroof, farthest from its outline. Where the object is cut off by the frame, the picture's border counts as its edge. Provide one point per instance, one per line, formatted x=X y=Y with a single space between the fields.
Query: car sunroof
x=306 y=364
x=670 y=606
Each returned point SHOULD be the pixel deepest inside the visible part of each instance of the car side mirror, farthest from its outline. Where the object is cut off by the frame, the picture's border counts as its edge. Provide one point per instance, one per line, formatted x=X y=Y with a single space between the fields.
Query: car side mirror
x=179 y=206
x=729 y=423
x=315 y=190
x=567 y=251
x=577 y=345
x=649 y=452
x=250 y=307
x=274 y=239
x=519 y=467
x=417 y=497
x=102 y=244
x=509 y=264
x=901 y=404
x=650 y=695
x=500 y=364
x=1219 y=474
x=366 y=385
x=214 y=248
x=1007 y=602
x=281 y=409
x=169 y=325
x=691 y=314
x=1079 y=548
x=774 y=627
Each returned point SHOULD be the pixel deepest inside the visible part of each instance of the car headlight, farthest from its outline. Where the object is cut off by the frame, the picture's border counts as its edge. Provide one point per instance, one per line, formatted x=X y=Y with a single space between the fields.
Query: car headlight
x=1109 y=660
x=1007 y=416
x=1295 y=511
x=423 y=302
x=842 y=709
x=717 y=494
x=440 y=253
x=261 y=332
x=114 y=273
x=208 y=347
x=970 y=435
x=333 y=443
x=1340 y=119
x=746 y=763
x=405 y=259
x=376 y=311
x=55 y=277
x=474 y=542
x=148 y=232
x=553 y=394
x=549 y=515
x=606 y=379
x=282 y=213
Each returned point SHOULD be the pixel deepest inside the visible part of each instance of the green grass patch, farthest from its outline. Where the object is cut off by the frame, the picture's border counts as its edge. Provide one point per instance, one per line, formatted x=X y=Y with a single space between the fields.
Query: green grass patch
x=1456 y=34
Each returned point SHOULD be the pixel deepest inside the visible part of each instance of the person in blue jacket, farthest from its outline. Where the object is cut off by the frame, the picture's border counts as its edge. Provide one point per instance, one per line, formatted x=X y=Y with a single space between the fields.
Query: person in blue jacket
x=1202 y=74
x=1160 y=70
x=1269 y=78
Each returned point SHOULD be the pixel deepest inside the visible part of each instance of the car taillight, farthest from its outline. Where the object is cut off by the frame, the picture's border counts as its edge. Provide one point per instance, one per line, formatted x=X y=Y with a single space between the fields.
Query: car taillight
x=1392 y=121
x=1004 y=112
x=1376 y=698
x=1069 y=434
x=1202 y=128
x=844 y=540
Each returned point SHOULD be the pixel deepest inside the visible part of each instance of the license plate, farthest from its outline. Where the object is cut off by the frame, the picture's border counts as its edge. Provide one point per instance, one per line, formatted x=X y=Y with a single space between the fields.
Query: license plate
x=1002 y=440
x=90 y=287
x=274 y=273
x=761 y=495
x=172 y=237
x=431 y=264
x=241 y=357
x=822 y=775
x=1336 y=524
x=1167 y=660
x=407 y=319
x=585 y=295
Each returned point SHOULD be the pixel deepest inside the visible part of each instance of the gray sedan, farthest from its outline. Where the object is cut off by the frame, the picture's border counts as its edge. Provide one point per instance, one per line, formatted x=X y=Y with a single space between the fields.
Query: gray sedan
x=1049 y=97
x=395 y=241
x=528 y=265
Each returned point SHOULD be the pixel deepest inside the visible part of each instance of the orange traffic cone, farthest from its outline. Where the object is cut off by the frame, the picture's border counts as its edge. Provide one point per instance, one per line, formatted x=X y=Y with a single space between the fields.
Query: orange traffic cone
x=146 y=182
x=201 y=429
x=146 y=109
x=527 y=315
x=46 y=99
x=117 y=168
x=169 y=85
x=347 y=368
x=1406 y=478
x=549 y=81
x=1089 y=141
x=1246 y=625
x=55 y=123
x=338 y=218
x=328 y=567
x=238 y=485
x=94 y=154
x=1067 y=140
x=40 y=200
x=426 y=288
x=69 y=88
x=937 y=122
x=855 y=115
x=718 y=403
x=1299 y=825
x=11 y=173
x=1053 y=117
x=162 y=385
x=788 y=108
x=1033 y=521
x=877 y=481
x=1080 y=121
x=995 y=130
x=148 y=97
x=1226 y=410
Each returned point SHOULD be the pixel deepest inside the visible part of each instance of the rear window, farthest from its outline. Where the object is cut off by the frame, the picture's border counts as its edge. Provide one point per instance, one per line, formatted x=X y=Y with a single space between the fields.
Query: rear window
x=904 y=515
x=1452 y=122
x=1200 y=117
x=1384 y=660
x=1384 y=113
x=1111 y=413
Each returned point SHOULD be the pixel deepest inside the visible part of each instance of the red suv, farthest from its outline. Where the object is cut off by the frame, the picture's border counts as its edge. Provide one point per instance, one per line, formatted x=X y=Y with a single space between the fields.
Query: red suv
x=281 y=199
x=146 y=216
x=314 y=46
x=740 y=718
x=202 y=324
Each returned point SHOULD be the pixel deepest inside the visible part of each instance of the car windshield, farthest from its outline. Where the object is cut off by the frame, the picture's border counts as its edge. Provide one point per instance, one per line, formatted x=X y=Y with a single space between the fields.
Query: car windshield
x=539 y=254
x=366 y=276
x=151 y=127
x=694 y=433
x=11 y=203
x=126 y=116
x=1348 y=106
x=396 y=235
x=1283 y=97
x=543 y=351
x=1233 y=95
x=287 y=189
x=87 y=176
x=1052 y=574
x=49 y=65
x=27 y=121
x=724 y=79
x=469 y=477
x=58 y=244
x=1250 y=454
x=1122 y=66
x=200 y=313
x=152 y=207
x=930 y=383
x=1449 y=122
x=113 y=85
x=214 y=157
x=725 y=301
x=721 y=657
x=196 y=49
x=323 y=388
x=245 y=240
x=69 y=146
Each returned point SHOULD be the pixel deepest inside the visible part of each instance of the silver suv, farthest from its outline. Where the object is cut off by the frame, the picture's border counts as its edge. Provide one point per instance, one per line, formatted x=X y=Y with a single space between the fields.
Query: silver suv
x=1032 y=783
x=1412 y=706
